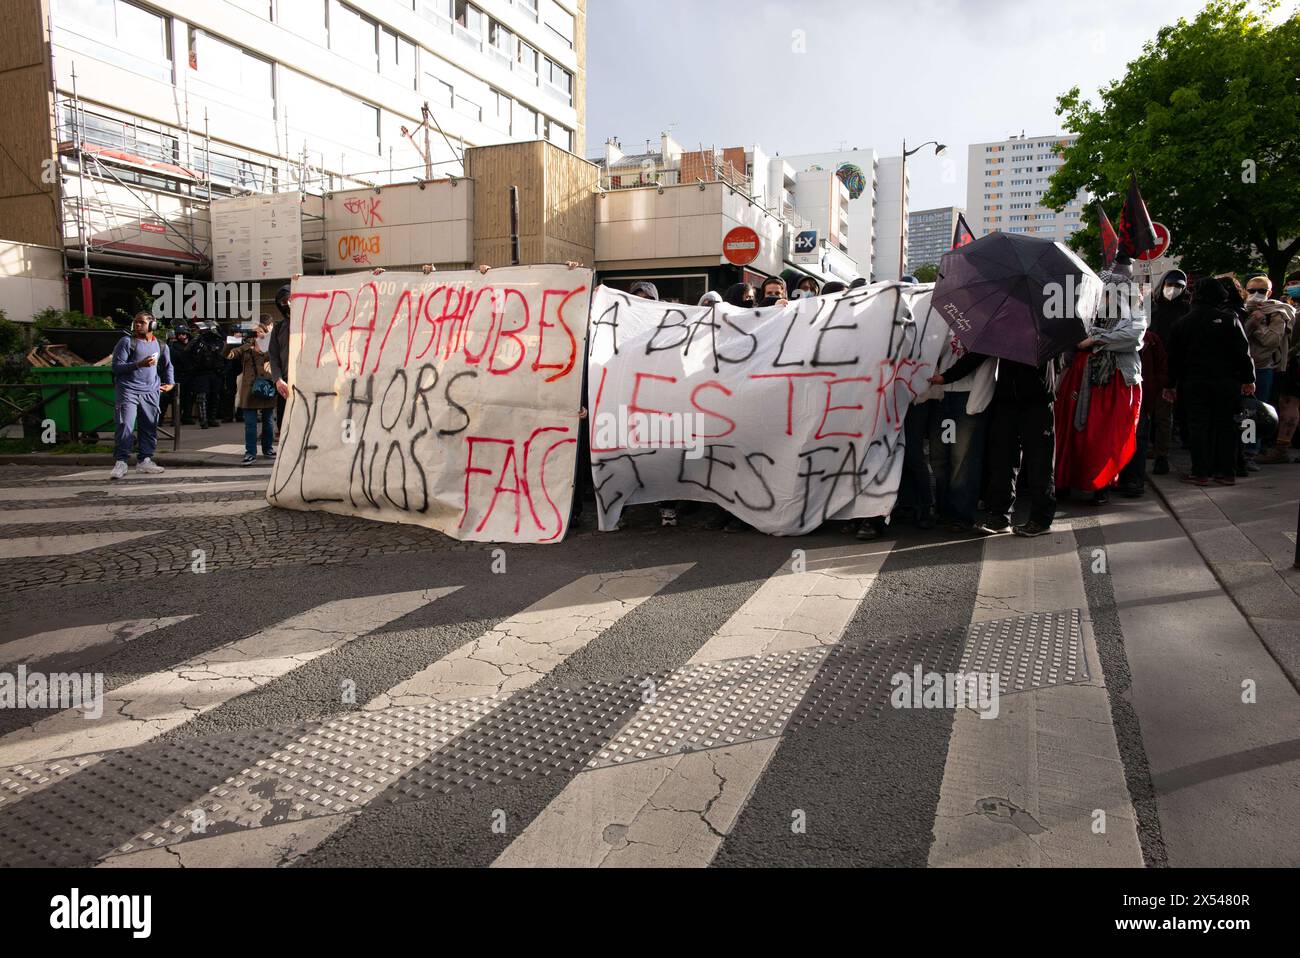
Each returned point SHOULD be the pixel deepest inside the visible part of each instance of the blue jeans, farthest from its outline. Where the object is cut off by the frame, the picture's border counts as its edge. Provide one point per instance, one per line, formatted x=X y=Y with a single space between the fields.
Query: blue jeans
x=250 y=430
x=1263 y=393
x=919 y=424
x=129 y=408
x=959 y=464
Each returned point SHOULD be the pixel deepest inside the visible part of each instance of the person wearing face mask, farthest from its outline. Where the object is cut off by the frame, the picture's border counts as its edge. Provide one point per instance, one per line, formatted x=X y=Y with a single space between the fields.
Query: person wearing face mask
x=742 y=295
x=1170 y=302
x=1209 y=364
x=1270 y=328
x=772 y=292
x=806 y=286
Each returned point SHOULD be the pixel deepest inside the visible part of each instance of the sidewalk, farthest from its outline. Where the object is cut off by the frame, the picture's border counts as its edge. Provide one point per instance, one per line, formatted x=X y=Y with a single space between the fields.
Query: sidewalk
x=220 y=446
x=1247 y=536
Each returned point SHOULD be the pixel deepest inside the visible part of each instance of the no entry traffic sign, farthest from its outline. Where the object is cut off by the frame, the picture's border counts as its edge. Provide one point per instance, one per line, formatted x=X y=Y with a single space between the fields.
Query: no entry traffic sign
x=740 y=246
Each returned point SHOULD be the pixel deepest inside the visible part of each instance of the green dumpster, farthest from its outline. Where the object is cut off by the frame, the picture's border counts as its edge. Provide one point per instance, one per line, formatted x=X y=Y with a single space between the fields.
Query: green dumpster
x=94 y=396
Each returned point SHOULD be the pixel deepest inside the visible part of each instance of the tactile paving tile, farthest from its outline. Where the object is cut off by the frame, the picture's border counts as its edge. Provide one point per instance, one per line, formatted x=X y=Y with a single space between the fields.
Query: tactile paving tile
x=855 y=681
x=540 y=731
x=714 y=704
x=23 y=781
x=1029 y=651
x=145 y=797
x=335 y=766
x=74 y=821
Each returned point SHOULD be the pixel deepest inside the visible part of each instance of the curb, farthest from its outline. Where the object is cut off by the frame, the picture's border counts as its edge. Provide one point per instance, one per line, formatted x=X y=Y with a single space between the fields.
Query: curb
x=106 y=459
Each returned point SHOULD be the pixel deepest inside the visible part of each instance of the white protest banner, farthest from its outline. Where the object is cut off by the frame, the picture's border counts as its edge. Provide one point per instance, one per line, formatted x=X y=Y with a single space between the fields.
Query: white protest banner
x=785 y=416
x=447 y=400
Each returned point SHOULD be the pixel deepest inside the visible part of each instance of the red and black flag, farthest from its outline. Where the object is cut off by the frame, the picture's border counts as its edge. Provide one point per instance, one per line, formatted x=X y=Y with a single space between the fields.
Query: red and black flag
x=1136 y=233
x=962 y=235
x=1109 y=240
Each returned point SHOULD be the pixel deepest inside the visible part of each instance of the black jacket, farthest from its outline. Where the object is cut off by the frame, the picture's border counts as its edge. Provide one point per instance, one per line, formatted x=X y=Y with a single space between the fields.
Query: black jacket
x=1017 y=382
x=279 y=349
x=207 y=354
x=182 y=363
x=1165 y=313
x=1209 y=343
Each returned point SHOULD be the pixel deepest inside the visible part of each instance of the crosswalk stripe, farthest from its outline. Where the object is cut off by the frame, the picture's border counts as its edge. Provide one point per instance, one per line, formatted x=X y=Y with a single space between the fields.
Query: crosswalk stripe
x=41 y=547
x=677 y=810
x=45 y=645
x=115 y=490
x=205 y=472
x=514 y=655
x=524 y=648
x=147 y=708
x=98 y=512
x=225 y=449
x=1020 y=789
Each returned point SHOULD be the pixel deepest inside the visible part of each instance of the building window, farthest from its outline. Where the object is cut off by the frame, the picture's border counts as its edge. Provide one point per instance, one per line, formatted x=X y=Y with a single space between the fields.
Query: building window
x=469 y=108
x=559 y=82
x=560 y=22
x=229 y=74
x=117 y=32
x=439 y=92
x=527 y=60
x=559 y=135
x=469 y=23
x=397 y=58
x=528 y=6
x=354 y=35
x=436 y=11
x=525 y=122
x=499 y=107
x=501 y=44
x=306 y=18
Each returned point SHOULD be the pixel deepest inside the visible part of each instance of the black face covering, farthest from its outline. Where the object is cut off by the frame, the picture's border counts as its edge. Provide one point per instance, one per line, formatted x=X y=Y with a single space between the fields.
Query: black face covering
x=769 y=301
x=283 y=308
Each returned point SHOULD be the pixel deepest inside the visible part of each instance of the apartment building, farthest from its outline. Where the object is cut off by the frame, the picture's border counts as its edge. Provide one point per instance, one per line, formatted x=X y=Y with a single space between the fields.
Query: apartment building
x=929 y=235
x=1005 y=184
x=150 y=111
x=877 y=204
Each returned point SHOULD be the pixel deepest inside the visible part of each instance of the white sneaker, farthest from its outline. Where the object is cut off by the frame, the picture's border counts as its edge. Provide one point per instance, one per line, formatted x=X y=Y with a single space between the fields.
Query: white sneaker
x=149 y=467
x=119 y=470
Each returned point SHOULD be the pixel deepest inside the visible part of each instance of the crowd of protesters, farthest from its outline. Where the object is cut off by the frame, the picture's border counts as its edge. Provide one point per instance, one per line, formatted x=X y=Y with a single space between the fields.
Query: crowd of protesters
x=1214 y=365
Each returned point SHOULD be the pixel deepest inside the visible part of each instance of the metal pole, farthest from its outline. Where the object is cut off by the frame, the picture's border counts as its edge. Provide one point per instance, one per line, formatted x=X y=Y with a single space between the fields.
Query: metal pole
x=428 y=156
x=1297 y=540
x=87 y=293
x=902 y=213
x=514 y=226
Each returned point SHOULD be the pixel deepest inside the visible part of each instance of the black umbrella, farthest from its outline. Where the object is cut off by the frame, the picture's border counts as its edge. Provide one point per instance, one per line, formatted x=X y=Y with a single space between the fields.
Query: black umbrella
x=1017 y=297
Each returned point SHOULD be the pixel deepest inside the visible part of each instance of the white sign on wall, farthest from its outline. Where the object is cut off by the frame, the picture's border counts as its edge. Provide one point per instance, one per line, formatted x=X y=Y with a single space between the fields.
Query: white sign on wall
x=449 y=400
x=785 y=417
x=257 y=237
x=409 y=224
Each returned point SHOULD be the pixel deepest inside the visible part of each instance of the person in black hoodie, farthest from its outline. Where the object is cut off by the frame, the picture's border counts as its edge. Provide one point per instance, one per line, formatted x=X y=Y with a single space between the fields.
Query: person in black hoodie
x=1021 y=434
x=1170 y=302
x=1210 y=369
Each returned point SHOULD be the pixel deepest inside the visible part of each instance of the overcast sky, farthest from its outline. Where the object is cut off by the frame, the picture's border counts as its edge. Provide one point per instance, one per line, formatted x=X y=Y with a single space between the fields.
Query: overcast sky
x=727 y=72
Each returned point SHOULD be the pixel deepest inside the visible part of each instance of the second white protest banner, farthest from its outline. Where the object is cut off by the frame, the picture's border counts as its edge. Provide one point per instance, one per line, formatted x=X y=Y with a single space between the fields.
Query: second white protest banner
x=785 y=416
x=448 y=400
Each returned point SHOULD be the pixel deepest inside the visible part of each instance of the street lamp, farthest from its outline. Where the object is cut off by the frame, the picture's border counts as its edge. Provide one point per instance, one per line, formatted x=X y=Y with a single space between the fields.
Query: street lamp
x=902 y=194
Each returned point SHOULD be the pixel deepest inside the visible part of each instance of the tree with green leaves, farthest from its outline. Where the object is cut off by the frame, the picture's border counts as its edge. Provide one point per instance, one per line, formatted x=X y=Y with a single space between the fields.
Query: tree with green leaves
x=927 y=273
x=1208 y=117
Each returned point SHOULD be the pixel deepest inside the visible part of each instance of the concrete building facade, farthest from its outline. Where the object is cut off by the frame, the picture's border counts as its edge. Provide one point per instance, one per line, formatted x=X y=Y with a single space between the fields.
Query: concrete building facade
x=929 y=235
x=131 y=117
x=876 y=205
x=1005 y=183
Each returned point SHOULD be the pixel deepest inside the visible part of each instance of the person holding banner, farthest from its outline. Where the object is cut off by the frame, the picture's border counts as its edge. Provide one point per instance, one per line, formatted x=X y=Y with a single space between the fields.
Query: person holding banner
x=1022 y=435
